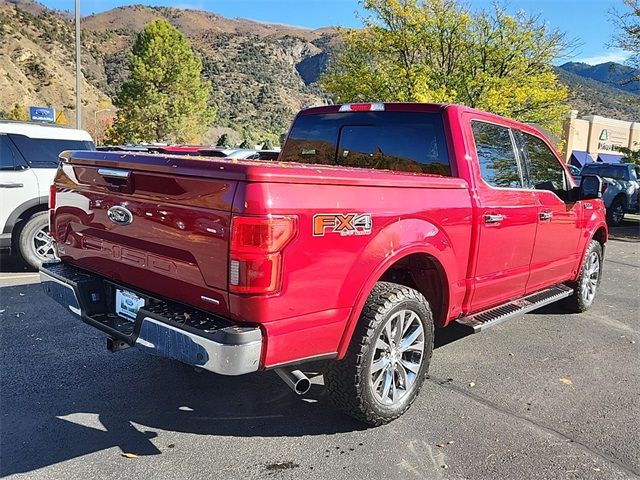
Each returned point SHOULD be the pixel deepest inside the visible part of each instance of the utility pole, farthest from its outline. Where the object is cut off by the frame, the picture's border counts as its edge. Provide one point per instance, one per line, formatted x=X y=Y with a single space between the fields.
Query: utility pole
x=78 y=68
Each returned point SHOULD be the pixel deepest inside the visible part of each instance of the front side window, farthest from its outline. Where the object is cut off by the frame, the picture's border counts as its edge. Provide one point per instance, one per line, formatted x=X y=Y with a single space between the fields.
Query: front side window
x=498 y=163
x=43 y=152
x=545 y=172
x=399 y=141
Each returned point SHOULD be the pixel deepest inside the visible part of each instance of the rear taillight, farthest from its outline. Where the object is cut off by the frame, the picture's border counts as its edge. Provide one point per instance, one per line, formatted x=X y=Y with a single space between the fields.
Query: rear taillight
x=255 y=265
x=603 y=187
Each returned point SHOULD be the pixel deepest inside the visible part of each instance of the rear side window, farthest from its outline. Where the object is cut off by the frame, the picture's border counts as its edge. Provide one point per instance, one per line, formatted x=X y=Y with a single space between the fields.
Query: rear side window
x=544 y=170
x=610 y=171
x=43 y=152
x=9 y=157
x=498 y=162
x=400 y=141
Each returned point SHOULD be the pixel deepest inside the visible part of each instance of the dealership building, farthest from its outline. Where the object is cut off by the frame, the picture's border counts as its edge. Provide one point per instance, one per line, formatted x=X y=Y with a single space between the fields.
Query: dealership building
x=592 y=138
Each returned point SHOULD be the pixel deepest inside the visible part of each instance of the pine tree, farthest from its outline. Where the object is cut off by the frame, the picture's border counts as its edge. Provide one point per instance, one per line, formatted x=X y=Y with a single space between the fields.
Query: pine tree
x=164 y=99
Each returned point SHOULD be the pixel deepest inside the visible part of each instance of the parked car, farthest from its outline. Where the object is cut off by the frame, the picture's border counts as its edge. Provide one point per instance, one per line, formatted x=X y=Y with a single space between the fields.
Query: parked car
x=241 y=153
x=621 y=188
x=379 y=223
x=28 y=162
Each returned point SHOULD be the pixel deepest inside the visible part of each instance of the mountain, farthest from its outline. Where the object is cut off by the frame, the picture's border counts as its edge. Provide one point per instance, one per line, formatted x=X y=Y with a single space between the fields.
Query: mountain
x=261 y=73
x=613 y=74
x=591 y=97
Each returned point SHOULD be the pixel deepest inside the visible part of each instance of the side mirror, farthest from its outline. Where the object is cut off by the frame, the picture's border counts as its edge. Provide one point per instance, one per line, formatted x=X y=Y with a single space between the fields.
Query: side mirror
x=590 y=187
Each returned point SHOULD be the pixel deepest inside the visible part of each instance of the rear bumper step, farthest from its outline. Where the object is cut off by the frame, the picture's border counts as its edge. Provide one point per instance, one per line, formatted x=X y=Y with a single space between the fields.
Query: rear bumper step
x=162 y=327
x=493 y=316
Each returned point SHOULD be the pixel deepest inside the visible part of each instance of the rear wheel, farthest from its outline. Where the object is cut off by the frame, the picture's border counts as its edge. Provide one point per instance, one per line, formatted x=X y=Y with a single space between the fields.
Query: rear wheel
x=388 y=358
x=586 y=287
x=615 y=213
x=34 y=243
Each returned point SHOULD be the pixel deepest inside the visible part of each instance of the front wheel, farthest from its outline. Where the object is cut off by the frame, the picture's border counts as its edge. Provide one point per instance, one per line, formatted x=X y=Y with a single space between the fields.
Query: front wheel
x=586 y=286
x=615 y=213
x=388 y=358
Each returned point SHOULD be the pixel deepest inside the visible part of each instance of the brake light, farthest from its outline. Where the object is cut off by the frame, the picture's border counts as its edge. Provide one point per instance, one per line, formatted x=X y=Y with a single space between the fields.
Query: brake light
x=255 y=265
x=604 y=187
x=362 y=107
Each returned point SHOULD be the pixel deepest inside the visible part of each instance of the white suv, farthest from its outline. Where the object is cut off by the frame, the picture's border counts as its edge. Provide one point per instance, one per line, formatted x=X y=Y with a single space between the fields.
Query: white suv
x=28 y=162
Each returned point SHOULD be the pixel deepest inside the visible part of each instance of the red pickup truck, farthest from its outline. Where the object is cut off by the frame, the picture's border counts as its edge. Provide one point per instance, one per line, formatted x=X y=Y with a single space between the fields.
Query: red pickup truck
x=377 y=224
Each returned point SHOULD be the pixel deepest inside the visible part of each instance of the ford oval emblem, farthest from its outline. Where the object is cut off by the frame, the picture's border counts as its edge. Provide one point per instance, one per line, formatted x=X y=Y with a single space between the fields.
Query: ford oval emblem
x=120 y=215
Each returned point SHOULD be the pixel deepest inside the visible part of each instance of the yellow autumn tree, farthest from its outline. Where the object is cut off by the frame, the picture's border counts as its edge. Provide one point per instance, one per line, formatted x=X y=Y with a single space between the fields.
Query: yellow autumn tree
x=439 y=51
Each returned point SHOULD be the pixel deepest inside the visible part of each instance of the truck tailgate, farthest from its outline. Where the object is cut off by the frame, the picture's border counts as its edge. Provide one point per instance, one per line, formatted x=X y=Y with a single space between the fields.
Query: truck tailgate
x=155 y=223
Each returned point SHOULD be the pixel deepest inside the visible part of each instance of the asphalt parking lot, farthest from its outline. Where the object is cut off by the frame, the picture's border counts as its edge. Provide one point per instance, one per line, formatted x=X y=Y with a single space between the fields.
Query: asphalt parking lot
x=547 y=395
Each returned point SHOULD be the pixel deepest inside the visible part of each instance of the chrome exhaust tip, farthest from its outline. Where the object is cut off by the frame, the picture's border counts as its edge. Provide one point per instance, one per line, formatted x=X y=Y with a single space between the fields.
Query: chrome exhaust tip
x=295 y=379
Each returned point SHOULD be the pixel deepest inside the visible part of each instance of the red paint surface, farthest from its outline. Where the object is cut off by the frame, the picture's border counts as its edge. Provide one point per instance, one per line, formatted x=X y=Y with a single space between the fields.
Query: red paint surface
x=178 y=243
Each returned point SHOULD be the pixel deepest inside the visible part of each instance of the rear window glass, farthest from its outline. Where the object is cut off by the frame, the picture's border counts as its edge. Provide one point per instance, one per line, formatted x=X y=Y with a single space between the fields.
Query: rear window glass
x=43 y=152
x=609 y=171
x=400 y=141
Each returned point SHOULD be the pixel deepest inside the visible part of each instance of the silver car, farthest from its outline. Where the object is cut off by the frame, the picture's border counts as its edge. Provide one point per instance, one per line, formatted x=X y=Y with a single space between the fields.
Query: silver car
x=621 y=188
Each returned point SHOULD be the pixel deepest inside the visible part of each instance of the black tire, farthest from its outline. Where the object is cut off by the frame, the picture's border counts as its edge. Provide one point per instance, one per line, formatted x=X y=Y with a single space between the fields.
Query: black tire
x=615 y=213
x=26 y=243
x=580 y=301
x=349 y=381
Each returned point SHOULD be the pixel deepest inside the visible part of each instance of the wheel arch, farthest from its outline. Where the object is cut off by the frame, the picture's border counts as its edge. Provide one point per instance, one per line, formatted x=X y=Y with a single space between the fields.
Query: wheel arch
x=23 y=212
x=422 y=267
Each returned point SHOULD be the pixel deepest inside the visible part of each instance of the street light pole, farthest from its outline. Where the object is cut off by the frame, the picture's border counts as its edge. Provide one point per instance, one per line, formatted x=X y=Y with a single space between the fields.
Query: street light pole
x=78 y=67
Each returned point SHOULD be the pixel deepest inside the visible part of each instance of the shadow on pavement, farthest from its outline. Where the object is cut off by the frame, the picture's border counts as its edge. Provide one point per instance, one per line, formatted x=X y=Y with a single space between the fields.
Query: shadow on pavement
x=64 y=395
x=629 y=231
x=13 y=264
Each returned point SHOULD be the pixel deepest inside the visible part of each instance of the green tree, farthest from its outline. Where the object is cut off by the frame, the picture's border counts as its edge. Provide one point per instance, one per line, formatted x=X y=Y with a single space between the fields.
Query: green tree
x=630 y=156
x=439 y=51
x=164 y=99
x=18 y=112
x=223 y=141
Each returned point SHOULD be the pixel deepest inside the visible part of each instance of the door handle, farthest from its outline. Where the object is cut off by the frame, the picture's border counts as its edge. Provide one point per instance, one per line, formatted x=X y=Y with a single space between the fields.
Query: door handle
x=493 y=218
x=545 y=215
x=11 y=185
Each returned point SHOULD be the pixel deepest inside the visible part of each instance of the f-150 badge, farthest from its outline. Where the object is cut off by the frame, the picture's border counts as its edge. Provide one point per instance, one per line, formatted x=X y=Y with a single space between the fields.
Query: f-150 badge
x=346 y=224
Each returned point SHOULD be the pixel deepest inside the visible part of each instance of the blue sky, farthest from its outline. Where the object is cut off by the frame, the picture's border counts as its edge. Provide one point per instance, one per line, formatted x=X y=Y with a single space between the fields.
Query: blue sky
x=585 y=20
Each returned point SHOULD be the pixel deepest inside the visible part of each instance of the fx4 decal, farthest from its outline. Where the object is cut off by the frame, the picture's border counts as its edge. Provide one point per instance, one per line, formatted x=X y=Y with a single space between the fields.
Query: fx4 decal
x=345 y=224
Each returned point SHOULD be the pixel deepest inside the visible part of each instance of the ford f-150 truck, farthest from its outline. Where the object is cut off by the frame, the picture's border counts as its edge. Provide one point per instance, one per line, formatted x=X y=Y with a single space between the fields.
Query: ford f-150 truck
x=377 y=224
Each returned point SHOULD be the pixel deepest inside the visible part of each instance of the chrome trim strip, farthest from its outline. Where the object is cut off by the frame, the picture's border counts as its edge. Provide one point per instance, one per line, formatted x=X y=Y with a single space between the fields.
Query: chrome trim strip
x=111 y=172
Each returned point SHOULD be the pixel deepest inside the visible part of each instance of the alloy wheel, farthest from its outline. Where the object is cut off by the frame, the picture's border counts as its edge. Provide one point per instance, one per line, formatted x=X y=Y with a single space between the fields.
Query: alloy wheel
x=398 y=356
x=42 y=244
x=591 y=277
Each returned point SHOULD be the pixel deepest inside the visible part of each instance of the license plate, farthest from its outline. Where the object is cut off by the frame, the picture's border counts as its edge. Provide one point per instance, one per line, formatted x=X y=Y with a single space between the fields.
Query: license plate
x=128 y=304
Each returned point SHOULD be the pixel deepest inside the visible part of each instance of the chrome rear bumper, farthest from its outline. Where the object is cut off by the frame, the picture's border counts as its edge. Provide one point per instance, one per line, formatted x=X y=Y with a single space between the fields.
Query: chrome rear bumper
x=162 y=327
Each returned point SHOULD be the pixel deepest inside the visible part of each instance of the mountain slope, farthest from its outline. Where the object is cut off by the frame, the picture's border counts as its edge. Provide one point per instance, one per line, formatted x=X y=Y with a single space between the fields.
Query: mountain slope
x=261 y=73
x=591 y=97
x=613 y=74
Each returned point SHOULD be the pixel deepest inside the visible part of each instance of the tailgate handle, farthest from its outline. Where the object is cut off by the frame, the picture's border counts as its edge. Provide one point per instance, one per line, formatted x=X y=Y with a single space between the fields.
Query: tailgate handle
x=120 y=181
x=113 y=173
